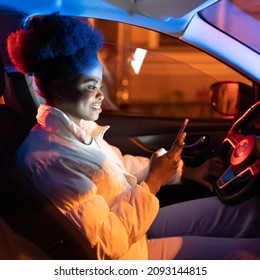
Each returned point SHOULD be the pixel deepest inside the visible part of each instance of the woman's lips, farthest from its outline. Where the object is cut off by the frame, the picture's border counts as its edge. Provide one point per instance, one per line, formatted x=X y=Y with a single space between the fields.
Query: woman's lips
x=97 y=107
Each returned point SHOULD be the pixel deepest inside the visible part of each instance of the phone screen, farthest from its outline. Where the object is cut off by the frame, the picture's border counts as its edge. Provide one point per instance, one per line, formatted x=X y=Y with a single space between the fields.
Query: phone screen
x=177 y=139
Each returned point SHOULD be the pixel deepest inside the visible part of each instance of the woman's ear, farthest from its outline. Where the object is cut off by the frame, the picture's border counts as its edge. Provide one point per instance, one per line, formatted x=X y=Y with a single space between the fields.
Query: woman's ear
x=56 y=88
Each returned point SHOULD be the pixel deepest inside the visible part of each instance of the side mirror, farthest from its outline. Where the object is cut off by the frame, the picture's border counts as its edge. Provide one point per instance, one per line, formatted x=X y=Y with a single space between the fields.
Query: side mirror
x=231 y=98
x=225 y=97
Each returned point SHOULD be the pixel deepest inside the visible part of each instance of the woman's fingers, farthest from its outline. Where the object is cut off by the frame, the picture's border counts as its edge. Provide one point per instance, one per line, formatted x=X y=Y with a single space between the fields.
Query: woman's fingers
x=163 y=165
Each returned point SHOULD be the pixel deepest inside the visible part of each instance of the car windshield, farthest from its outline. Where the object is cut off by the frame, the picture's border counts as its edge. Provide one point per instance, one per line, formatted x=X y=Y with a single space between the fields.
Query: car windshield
x=239 y=18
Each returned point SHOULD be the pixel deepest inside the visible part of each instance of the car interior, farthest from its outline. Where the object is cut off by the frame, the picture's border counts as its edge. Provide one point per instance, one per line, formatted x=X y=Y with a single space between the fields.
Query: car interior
x=233 y=136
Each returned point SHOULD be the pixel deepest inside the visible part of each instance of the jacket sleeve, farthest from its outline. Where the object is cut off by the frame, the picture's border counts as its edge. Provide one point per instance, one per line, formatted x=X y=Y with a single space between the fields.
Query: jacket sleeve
x=138 y=166
x=111 y=227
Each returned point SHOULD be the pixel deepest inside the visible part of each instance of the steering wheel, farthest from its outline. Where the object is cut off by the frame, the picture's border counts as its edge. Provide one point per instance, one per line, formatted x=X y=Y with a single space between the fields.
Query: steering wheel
x=241 y=151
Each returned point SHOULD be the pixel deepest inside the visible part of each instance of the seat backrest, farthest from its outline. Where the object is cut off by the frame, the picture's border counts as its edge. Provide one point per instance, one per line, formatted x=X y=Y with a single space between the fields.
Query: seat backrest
x=13 y=127
x=2 y=77
x=29 y=213
x=34 y=217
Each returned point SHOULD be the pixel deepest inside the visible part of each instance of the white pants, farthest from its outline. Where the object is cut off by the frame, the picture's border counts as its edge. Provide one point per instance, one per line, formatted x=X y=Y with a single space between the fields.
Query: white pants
x=205 y=229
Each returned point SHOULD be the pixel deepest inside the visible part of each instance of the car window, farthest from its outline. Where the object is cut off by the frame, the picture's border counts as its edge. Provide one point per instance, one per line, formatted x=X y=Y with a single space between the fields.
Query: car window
x=151 y=74
x=147 y=73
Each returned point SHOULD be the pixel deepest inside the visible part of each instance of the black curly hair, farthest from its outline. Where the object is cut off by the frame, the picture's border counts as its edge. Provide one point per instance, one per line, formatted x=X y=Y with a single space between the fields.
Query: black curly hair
x=53 y=46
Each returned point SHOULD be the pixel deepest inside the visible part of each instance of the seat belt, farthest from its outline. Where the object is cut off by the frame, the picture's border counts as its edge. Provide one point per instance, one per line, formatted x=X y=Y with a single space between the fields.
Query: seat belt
x=24 y=96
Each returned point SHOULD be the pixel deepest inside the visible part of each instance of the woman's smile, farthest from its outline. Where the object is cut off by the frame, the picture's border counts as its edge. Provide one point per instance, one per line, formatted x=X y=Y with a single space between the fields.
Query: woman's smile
x=97 y=107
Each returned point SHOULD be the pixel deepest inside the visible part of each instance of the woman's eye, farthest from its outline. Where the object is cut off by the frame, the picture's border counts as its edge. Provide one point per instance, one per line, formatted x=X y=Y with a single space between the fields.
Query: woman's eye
x=92 y=87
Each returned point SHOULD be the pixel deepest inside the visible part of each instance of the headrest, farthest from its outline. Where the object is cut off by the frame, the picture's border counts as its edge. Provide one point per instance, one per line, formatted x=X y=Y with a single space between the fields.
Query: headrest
x=2 y=77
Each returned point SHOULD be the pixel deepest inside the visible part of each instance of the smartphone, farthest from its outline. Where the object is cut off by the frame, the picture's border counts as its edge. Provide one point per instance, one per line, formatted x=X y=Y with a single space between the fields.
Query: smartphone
x=177 y=139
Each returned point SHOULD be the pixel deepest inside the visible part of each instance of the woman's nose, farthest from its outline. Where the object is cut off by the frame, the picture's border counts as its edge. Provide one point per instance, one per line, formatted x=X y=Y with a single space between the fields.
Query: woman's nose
x=100 y=95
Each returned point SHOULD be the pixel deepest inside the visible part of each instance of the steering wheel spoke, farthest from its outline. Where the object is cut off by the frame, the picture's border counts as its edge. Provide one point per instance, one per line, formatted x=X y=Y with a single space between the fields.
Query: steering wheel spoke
x=234 y=138
x=242 y=153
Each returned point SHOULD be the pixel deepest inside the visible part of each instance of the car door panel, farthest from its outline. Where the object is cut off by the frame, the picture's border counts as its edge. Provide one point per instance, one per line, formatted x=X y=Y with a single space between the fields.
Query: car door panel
x=142 y=136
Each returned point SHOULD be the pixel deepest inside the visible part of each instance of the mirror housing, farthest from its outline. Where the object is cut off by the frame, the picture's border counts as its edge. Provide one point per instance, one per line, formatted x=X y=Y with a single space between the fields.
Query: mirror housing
x=231 y=98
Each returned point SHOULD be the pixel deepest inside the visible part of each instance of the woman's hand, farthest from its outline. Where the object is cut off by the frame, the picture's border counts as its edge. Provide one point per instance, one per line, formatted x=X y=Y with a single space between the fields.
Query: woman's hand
x=164 y=165
x=202 y=173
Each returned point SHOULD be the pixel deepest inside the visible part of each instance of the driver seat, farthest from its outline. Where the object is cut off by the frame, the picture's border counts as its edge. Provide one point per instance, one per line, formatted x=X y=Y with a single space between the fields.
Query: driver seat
x=29 y=213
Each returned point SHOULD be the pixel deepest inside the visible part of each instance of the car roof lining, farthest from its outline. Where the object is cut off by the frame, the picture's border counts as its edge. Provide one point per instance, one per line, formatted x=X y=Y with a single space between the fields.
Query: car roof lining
x=143 y=12
x=167 y=9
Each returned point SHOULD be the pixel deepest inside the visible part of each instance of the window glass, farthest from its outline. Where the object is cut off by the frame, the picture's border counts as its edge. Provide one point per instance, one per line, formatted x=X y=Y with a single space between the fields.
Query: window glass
x=151 y=74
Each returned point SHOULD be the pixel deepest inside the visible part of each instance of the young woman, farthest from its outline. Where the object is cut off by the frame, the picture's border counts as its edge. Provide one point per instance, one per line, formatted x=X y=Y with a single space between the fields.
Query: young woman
x=110 y=197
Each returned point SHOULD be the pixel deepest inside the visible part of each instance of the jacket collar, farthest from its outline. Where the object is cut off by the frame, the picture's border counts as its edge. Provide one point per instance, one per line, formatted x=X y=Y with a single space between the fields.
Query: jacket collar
x=59 y=123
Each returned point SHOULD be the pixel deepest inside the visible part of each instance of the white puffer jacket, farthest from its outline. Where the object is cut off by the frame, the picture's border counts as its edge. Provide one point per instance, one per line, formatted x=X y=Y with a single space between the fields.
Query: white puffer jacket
x=90 y=181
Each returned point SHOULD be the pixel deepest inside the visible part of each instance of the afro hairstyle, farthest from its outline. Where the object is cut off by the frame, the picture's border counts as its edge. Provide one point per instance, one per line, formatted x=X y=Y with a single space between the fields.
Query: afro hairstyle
x=53 y=46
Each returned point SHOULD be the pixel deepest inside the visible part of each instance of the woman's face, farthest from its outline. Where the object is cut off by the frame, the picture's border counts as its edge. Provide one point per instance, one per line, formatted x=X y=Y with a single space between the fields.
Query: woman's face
x=82 y=97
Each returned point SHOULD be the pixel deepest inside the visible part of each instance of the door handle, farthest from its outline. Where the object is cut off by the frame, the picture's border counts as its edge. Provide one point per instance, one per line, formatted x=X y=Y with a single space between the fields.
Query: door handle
x=197 y=144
